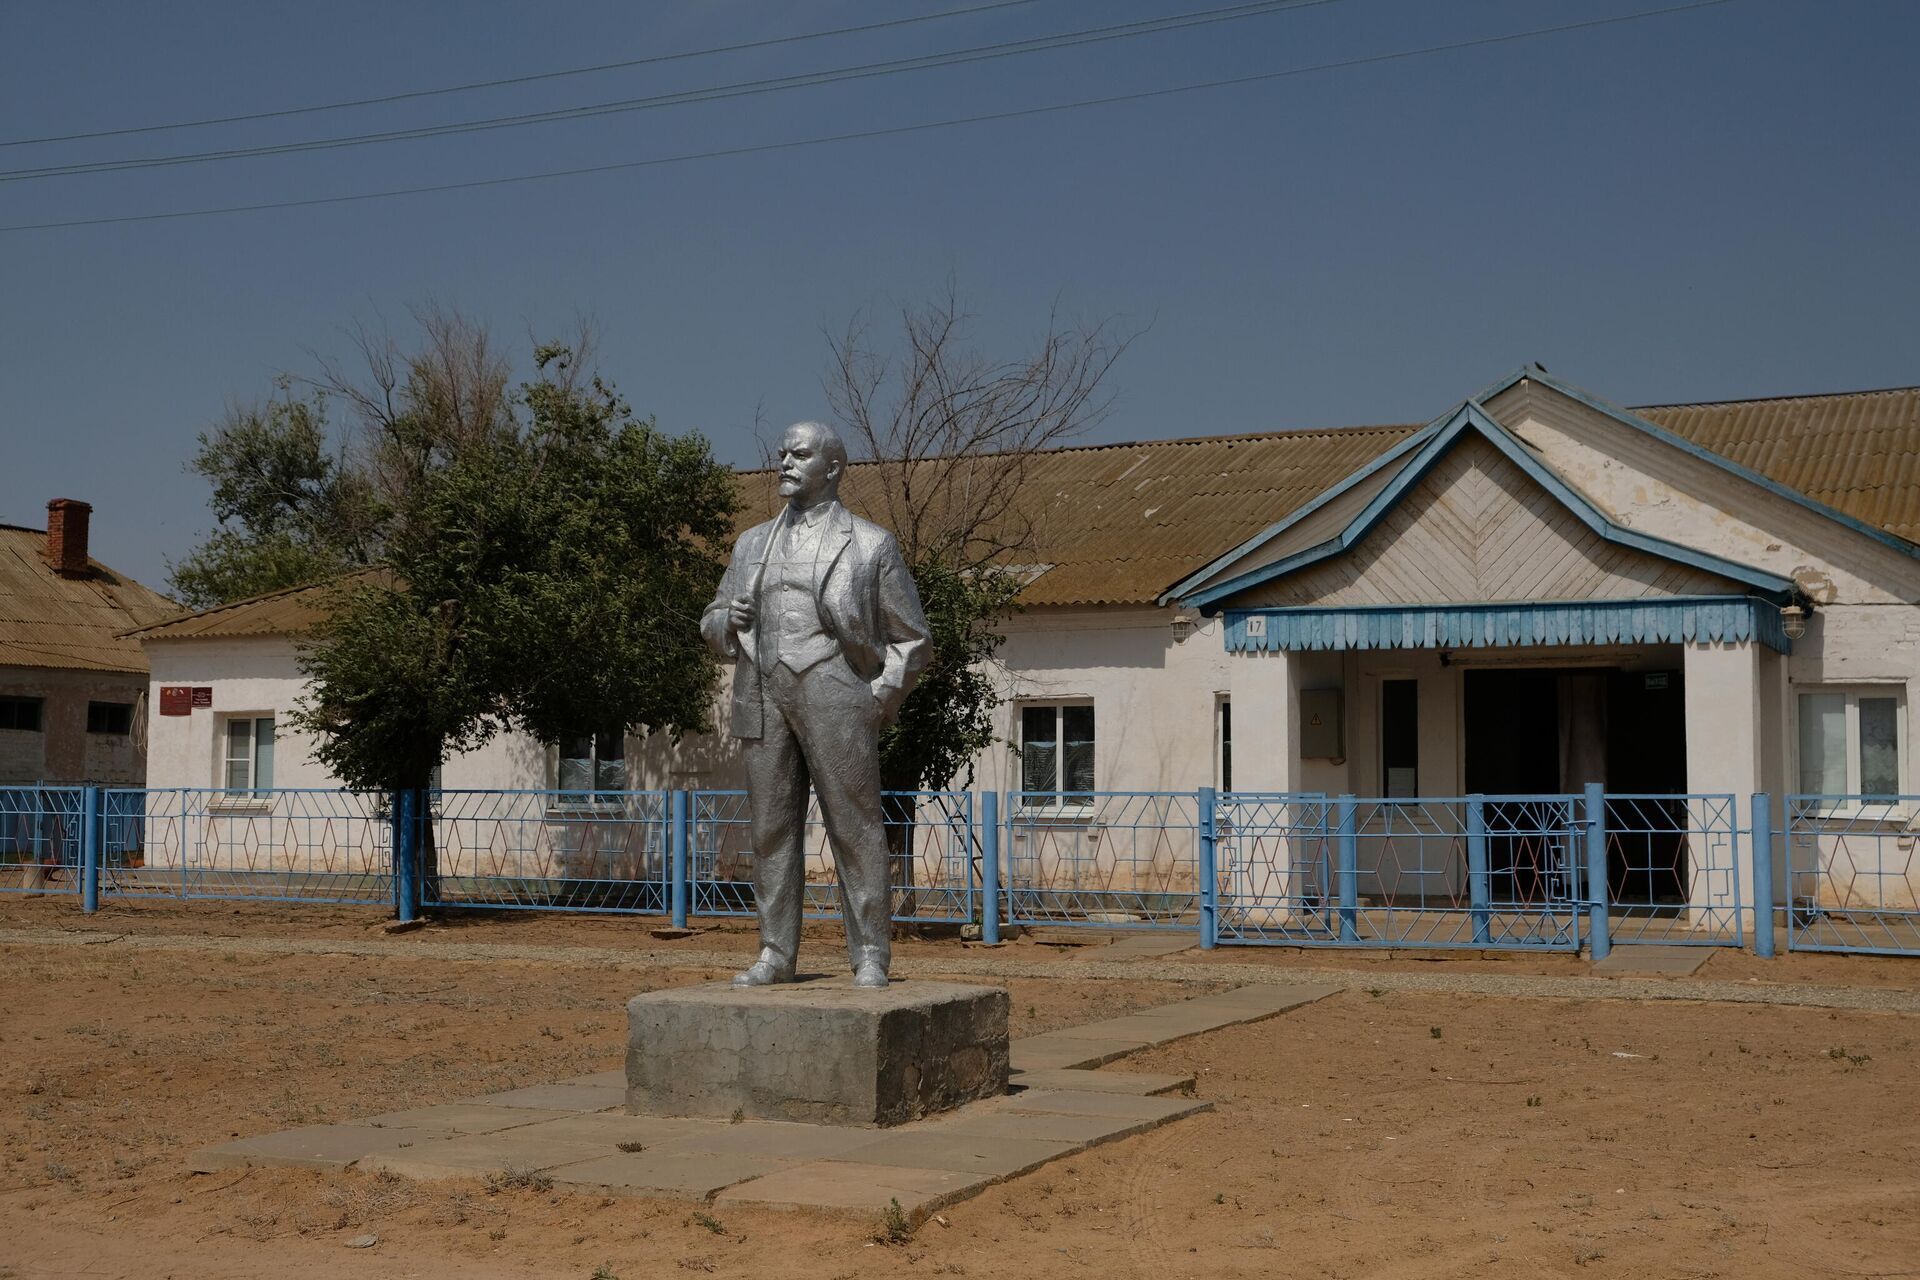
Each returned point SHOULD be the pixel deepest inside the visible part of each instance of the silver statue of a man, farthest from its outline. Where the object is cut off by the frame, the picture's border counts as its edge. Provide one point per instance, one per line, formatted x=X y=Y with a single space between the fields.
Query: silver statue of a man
x=820 y=615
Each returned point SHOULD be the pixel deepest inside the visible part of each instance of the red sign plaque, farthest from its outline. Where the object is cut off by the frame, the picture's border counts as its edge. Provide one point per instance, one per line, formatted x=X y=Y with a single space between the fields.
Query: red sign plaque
x=175 y=700
x=203 y=696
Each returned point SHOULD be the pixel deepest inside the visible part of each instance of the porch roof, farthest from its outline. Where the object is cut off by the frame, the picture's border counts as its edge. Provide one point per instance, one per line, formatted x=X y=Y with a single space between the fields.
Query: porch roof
x=1677 y=620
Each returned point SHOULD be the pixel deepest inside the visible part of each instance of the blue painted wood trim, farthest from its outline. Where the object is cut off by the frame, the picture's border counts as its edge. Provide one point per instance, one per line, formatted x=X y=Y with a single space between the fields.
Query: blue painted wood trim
x=1679 y=620
x=1536 y=374
x=1471 y=417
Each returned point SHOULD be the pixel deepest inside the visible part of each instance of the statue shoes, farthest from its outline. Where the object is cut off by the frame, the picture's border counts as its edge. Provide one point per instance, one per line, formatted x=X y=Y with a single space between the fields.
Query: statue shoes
x=870 y=975
x=766 y=973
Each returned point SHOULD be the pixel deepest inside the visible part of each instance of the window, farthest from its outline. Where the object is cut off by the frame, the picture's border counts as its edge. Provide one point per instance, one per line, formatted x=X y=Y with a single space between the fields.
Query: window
x=1223 y=734
x=110 y=717
x=249 y=755
x=594 y=764
x=1056 y=752
x=20 y=713
x=1399 y=738
x=1852 y=742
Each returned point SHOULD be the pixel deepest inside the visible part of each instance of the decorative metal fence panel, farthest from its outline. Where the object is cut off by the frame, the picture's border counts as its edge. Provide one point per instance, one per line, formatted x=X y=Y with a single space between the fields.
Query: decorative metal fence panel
x=1480 y=871
x=40 y=839
x=1673 y=870
x=546 y=850
x=274 y=846
x=1103 y=859
x=1853 y=874
x=934 y=854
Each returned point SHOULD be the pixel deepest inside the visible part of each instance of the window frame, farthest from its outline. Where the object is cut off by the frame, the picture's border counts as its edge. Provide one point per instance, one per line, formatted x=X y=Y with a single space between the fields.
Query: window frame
x=1857 y=803
x=594 y=797
x=14 y=701
x=254 y=795
x=126 y=710
x=1069 y=803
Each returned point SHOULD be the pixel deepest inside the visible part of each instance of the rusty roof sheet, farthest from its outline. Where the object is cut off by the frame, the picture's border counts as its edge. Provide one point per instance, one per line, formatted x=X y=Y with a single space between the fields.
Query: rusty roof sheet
x=74 y=623
x=287 y=612
x=1858 y=453
x=1120 y=523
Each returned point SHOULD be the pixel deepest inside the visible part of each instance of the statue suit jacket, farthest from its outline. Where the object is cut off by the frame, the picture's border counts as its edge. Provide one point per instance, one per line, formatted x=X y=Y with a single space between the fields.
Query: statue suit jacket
x=866 y=598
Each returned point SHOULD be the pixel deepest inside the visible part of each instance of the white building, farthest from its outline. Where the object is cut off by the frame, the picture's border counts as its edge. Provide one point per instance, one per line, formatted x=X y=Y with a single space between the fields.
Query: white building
x=1533 y=592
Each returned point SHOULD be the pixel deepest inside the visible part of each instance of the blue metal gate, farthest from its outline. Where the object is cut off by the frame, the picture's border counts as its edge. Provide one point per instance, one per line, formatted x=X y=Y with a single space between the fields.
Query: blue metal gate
x=1853 y=874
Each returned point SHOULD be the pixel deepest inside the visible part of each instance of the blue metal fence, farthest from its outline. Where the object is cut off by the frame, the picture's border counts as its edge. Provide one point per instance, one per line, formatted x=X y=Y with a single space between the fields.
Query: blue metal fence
x=1237 y=868
x=1112 y=859
x=546 y=850
x=284 y=845
x=1853 y=874
x=1471 y=871
x=40 y=839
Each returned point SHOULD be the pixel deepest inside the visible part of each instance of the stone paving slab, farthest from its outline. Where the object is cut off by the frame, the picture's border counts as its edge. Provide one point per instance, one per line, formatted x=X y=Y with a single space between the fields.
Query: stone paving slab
x=482 y=1153
x=611 y=1128
x=1083 y=1131
x=1118 y=1105
x=695 y=1175
x=1145 y=946
x=1050 y=1051
x=462 y=1117
x=559 y=1097
x=770 y=1138
x=1671 y=962
x=614 y=1079
x=1139 y=1083
x=324 y=1146
x=942 y=1147
x=862 y=1188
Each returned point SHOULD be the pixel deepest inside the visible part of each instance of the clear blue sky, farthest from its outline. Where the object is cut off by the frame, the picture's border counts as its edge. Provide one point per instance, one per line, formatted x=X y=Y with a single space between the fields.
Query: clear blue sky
x=1716 y=204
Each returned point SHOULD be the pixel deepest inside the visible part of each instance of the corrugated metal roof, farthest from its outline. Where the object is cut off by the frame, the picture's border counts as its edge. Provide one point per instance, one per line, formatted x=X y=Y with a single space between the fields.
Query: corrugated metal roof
x=287 y=612
x=1858 y=453
x=1120 y=523
x=74 y=623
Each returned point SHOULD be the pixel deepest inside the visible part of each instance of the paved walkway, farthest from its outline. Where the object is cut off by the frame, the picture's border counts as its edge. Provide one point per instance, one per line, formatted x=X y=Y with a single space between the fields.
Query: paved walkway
x=990 y=963
x=575 y=1132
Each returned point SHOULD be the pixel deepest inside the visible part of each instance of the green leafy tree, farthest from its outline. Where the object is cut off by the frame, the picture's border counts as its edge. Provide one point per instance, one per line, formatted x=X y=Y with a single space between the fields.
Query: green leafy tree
x=950 y=435
x=289 y=509
x=543 y=557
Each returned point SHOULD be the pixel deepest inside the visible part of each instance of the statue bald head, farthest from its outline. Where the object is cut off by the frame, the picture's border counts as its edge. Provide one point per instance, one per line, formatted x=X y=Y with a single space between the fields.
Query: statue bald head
x=812 y=459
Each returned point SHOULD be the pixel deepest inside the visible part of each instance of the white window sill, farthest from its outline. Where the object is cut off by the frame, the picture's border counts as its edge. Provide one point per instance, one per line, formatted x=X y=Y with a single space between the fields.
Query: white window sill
x=1894 y=813
x=240 y=804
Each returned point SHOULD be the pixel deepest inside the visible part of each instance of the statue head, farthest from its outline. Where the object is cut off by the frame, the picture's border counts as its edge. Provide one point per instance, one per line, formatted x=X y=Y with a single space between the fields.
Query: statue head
x=812 y=459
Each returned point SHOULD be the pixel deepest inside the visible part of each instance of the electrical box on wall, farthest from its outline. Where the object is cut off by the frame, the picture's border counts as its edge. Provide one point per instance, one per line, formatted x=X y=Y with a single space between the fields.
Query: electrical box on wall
x=1320 y=722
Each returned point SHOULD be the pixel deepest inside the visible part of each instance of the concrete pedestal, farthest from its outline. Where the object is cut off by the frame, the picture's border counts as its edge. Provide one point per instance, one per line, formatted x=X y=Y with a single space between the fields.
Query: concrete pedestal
x=819 y=1052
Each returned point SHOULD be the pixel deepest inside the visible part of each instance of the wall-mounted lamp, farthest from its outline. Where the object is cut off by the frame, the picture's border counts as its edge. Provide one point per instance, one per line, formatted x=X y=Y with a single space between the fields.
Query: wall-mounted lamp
x=1185 y=623
x=1793 y=621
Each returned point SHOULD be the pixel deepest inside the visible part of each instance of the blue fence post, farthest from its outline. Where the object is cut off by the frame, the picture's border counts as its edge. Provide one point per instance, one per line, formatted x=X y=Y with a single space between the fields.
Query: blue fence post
x=1479 y=884
x=679 y=837
x=990 y=866
x=1347 y=871
x=91 y=813
x=1599 y=926
x=1762 y=842
x=406 y=853
x=1209 y=869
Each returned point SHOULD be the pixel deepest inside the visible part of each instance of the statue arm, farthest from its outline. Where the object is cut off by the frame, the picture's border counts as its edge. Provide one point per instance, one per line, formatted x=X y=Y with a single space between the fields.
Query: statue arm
x=714 y=625
x=903 y=626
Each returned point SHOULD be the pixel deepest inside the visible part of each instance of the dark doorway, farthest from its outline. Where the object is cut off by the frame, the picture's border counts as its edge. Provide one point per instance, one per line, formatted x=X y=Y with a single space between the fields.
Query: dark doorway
x=1647 y=856
x=1513 y=746
x=1513 y=749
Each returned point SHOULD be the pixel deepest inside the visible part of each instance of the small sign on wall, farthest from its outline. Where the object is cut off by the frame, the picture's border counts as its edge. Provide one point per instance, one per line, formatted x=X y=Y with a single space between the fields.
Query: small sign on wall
x=180 y=699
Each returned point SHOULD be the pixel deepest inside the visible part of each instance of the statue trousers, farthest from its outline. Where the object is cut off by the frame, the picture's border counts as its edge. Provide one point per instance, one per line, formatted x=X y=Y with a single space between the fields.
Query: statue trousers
x=820 y=727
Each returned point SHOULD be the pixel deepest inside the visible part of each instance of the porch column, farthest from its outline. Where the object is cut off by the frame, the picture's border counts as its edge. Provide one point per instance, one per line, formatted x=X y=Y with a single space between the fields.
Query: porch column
x=1725 y=753
x=1258 y=860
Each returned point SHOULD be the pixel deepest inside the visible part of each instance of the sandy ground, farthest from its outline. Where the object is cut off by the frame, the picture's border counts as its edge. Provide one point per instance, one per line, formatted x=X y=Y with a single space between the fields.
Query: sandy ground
x=1371 y=1135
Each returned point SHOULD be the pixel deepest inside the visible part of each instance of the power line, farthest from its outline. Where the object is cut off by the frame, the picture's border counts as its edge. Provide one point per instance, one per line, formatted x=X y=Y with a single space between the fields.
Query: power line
x=859 y=135
x=521 y=79
x=715 y=93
